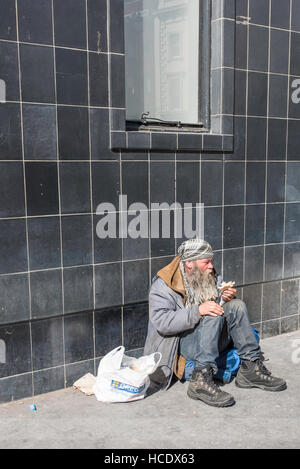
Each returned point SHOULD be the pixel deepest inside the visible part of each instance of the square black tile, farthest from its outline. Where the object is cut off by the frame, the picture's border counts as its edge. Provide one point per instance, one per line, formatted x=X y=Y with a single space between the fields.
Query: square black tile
x=293 y=140
x=35 y=21
x=239 y=140
x=279 y=51
x=135 y=182
x=100 y=136
x=277 y=139
x=12 y=198
x=41 y=188
x=292 y=183
x=117 y=86
x=255 y=183
x=252 y=296
x=77 y=240
x=187 y=182
x=292 y=260
x=278 y=88
x=273 y=262
x=8 y=21
x=270 y=328
x=78 y=289
x=280 y=14
x=117 y=26
x=48 y=380
x=70 y=23
x=295 y=15
x=257 y=94
x=258 y=48
x=292 y=222
x=136 y=281
x=44 y=243
x=107 y=238
x=10 y=132
x=234 y=183
x=256 y=138
x=75 y=187
x=240 y=92
x=46 y=293
x=98 y=66
x=16 y=387
x=233 y=261
x=108 y=285
x=259 y=11
x=74 y=371
x=78 y=337
x=108 y=330
x=14 y=303
x=106 y=183
x=254 y=260
x=10 y=70
x=39 y=140
x=211 y=177
x=17 y=349
x=97 y=25
x=233 y=227
x=162 y=233
x=13 y=249
x=289 y=324
x=290 y=297
x=37 y=73
x=274 y=223
x=136 y=243
x=271 y=301
x=255 y=222
x=295 y=50
x=276 y=182
x=213 y=226
x=163 y=171
x=71 y=77
x=73 y=133
x=135 y=324
x=47 y=343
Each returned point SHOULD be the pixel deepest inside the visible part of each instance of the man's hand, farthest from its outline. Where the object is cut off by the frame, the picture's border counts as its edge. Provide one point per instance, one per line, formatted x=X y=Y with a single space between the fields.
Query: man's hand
x=210 y=308
x=229 y=294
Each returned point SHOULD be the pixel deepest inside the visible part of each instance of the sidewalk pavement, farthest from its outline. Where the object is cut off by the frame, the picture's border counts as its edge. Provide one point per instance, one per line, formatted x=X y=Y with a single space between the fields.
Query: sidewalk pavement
x=166 y=420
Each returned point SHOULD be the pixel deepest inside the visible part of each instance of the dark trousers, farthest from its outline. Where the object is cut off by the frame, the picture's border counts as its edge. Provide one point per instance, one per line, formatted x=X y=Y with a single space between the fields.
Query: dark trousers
x=213 y=335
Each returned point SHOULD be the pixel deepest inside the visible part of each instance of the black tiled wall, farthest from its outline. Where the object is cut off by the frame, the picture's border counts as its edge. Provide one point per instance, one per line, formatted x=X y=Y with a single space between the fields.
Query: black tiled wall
x=68 y=297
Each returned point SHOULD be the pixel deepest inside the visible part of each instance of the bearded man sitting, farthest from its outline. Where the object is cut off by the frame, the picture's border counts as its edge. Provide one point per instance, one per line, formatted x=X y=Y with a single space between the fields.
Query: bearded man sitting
x=191 y=318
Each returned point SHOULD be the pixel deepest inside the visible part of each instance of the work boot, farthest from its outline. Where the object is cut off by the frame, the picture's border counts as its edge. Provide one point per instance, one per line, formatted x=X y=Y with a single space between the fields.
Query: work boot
x=203 y=387
x=254 y=374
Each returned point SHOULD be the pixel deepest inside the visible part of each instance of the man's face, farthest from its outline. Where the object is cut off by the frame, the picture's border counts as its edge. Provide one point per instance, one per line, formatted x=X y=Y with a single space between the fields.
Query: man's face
x=204 y=264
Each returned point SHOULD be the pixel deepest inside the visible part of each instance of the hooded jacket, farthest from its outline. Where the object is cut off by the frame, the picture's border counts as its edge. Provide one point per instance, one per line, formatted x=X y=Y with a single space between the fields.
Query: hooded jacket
x=168 y=319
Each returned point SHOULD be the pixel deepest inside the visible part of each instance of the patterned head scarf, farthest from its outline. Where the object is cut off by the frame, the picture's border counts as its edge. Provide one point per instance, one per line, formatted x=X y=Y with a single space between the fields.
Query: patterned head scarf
x=192 y=250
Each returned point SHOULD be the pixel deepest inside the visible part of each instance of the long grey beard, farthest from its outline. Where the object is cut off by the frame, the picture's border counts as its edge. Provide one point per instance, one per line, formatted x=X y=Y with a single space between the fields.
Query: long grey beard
x=201 y=286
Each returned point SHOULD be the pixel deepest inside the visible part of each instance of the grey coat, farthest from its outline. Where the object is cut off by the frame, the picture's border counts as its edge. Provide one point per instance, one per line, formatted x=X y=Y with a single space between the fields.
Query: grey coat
x=168 y=319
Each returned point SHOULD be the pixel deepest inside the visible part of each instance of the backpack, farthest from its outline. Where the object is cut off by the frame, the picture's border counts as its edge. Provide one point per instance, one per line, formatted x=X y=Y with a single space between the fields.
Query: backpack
x=228 y=364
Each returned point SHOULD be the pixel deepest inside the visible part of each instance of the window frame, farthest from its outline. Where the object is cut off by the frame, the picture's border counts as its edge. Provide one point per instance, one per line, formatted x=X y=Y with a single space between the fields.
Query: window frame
x=216 y=105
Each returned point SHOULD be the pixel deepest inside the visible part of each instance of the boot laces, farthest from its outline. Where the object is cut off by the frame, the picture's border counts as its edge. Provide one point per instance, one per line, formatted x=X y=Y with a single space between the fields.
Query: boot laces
x=263 y=369
x=207 y=378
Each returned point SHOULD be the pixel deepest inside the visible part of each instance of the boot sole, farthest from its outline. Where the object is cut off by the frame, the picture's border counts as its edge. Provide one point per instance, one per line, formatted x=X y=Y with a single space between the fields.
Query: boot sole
x=248 y=385
x=213 y=404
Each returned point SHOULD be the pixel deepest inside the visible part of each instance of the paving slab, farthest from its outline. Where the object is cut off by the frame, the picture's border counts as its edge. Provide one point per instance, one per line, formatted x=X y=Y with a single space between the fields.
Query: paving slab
x=69 y=419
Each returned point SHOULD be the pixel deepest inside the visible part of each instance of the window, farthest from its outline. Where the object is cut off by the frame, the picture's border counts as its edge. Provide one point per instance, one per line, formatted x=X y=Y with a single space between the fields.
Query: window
x=166 y=73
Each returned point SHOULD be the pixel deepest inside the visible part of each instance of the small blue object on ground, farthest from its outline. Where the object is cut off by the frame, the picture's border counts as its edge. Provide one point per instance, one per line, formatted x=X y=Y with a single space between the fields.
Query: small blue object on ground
x=32 y=407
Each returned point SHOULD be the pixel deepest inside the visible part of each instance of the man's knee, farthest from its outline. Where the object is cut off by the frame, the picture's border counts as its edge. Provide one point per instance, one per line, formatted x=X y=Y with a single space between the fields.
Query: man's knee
x=235 y=306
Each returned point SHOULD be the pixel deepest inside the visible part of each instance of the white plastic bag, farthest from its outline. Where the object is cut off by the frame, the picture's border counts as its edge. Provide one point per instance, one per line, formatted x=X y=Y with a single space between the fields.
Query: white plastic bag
x=121 y=378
